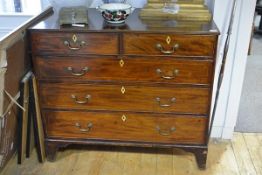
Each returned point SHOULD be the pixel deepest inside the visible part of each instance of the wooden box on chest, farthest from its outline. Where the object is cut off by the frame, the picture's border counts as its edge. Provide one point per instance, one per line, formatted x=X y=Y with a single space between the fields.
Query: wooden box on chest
x=129 y=85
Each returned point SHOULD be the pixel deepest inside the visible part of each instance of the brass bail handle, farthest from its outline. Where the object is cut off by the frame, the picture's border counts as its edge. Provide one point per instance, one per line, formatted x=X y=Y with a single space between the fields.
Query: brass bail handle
x=85 y=101
x=78 y=46
x=162 y=50
x=87 y=129
x=78 y=74
x=165 y=132
x=172 y=101
x=175 y=73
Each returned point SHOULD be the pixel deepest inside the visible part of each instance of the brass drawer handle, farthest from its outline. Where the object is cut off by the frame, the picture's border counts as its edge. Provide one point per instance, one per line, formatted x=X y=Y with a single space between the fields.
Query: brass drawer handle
x=87 y=129
x=175 y=73
x=160 y=47
x=80 y=45
x=173 y=100
x=165 y=132
x=81 y=73
x=87 y=99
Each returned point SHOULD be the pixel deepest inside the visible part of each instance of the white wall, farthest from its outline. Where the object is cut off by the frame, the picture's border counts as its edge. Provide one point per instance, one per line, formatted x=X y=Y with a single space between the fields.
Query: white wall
x=27 y=6
x=6 y=6
x=227 y=109
x=31 y=6
x=95 y=3
x=11 y=21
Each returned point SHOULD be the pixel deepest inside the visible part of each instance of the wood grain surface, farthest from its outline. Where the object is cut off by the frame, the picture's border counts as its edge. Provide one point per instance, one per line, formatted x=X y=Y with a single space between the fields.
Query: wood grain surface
x=136 y=127
x=122 y=68
x=135 y=98
x=93 y=160
x=188 y=45
x=53 y=42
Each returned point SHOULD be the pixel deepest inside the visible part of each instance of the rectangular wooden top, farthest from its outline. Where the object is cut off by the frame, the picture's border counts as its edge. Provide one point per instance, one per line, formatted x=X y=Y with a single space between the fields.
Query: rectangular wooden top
x=133 y=24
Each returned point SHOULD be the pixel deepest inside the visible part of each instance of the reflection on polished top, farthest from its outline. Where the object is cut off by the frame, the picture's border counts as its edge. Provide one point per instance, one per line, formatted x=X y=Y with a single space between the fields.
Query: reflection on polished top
x=133 y=23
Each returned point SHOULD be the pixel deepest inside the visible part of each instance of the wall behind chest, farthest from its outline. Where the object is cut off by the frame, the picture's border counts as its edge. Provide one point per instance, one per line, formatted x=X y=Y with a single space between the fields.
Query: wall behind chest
x=135 y=3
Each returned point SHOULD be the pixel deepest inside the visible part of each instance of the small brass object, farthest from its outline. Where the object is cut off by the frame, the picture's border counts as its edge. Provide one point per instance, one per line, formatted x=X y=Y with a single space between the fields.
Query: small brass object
x=78 y=47
x=77 y=101
x=172 y=101
x=121 y=63
x=74 y=16
x=162 y=50
x=124 y=118
x=165 y=132
x=123 y=90
x=168 y=40
x=74 y=38
x=78 y=74
x=175 y=72
x=87 y=129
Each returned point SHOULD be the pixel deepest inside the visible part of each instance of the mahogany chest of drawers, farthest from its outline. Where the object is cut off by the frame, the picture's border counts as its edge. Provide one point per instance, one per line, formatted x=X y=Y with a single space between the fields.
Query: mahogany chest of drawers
x=136 y=84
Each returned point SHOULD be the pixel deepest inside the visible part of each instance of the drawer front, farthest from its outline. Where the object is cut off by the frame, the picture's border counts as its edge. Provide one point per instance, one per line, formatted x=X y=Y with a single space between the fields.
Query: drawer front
x=71 y=43
x=106 y=68
x=126 y=127
x=177 y=45
x=125 y=98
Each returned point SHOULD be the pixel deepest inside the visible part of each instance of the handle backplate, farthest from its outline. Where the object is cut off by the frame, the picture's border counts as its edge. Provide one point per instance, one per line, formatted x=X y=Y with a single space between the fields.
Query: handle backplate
x=78 y=46
x=165 y=132
x=86 y=129
x=175 y=72
x=77 y=101
x=172 y=101
x=78 y=74
x=162 y=50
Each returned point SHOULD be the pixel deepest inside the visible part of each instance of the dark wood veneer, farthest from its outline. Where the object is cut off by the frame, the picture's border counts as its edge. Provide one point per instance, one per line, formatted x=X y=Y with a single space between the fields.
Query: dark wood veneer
x=135 y=98
x=108 y=68
x=135 y=127
x=118 y=67
x=94 y=43
x=188 y=45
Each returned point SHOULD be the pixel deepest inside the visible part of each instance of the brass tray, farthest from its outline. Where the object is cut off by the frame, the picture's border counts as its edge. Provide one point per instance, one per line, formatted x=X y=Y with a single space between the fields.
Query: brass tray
x=189 y=10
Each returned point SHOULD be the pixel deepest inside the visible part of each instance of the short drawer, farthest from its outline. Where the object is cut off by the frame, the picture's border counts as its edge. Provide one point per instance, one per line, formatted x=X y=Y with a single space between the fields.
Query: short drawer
x=176 y=45
x=74 y=43
x=126 y=127
x=133 y=69
x=125 y=98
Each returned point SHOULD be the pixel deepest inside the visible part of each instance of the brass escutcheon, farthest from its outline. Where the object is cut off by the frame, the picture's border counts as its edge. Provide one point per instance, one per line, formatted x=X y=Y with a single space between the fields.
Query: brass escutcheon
x=121 y=63
x=74 y=38
x=124 y=118
x=168 y=40
x=123 y=90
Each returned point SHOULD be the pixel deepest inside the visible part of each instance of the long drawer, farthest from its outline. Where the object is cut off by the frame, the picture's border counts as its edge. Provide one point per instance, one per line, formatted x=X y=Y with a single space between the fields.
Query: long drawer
x=74 y=43
x=176 y=45
x=126 y=127
x=125 y=98
x=135 y=69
